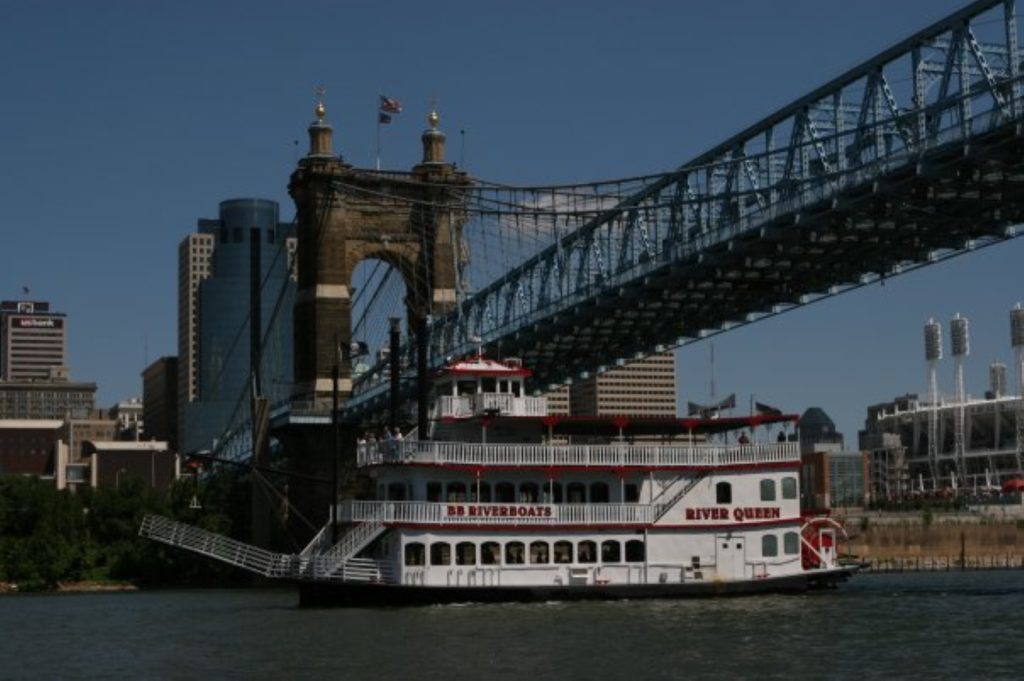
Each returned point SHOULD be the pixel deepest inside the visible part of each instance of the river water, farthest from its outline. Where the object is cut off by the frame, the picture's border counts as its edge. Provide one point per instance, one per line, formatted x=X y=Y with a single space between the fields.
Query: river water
x=934 y=625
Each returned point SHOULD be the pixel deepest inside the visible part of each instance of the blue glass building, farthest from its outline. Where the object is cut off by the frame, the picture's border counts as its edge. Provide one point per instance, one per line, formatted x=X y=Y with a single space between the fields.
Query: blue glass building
x=252 y=248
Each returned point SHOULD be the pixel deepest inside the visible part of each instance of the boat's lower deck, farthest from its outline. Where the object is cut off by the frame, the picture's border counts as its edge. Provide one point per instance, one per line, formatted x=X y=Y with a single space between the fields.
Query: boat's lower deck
x=327 y=594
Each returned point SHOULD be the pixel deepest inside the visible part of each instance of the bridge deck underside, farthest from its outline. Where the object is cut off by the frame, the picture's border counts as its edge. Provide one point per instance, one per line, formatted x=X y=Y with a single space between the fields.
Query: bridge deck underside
x=933 y=209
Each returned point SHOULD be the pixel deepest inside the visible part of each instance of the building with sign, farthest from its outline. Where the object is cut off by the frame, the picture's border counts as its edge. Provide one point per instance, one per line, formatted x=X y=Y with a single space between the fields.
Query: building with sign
x=33 y=341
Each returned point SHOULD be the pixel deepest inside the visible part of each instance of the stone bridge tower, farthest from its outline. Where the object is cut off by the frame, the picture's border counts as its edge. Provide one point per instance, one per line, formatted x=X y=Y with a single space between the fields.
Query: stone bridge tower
x=411 y=220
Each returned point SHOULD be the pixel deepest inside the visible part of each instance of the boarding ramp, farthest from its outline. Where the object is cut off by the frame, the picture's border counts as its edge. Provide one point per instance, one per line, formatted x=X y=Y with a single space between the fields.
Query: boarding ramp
x=335 y=565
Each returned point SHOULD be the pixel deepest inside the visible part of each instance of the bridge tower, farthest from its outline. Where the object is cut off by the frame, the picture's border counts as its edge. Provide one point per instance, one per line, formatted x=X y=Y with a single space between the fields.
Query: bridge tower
x=411 y=220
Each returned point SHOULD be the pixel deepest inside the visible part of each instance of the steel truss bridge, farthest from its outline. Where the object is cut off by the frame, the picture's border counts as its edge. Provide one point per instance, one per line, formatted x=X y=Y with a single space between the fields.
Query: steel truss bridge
x=912 y=157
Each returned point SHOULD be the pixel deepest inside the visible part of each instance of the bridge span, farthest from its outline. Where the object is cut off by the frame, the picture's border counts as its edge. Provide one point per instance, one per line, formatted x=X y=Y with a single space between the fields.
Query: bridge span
x=911 y=157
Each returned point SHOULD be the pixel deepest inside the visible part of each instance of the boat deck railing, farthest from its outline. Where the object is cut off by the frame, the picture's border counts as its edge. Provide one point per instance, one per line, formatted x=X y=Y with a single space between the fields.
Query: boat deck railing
x=695 y=455
x=459 y=513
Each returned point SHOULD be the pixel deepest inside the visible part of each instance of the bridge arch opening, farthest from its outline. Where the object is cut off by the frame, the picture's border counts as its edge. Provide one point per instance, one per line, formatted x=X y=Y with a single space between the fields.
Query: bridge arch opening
x=379 y=292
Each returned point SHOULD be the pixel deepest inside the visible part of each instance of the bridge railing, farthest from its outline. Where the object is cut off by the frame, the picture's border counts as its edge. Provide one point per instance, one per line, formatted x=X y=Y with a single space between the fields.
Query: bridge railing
x=698 y=455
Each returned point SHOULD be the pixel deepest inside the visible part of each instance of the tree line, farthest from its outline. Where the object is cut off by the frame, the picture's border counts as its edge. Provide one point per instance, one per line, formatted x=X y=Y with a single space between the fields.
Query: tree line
x=48 y=536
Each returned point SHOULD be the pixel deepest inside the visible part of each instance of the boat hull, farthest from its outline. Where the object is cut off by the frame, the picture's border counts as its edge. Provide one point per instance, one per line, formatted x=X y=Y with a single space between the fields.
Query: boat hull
x=339 y=594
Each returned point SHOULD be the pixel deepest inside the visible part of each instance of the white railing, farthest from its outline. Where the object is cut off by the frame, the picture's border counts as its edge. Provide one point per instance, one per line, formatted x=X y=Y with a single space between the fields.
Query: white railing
x=329 y=566
x=213 y=545
x=352 y=542
x=654 y=456
x=462 y=406
x=320 y=569
x=496 y=514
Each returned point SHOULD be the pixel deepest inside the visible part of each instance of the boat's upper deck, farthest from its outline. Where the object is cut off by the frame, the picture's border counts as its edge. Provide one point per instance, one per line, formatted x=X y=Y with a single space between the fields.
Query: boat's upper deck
x=616 y=455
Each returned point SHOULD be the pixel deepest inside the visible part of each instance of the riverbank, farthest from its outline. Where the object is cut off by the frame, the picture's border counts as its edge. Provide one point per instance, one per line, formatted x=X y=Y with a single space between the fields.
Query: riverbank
x=934 y=541
x=85 y=586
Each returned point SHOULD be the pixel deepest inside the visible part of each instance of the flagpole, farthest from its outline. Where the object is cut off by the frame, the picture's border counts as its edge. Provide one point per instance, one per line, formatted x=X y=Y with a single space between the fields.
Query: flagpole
x=378 y=139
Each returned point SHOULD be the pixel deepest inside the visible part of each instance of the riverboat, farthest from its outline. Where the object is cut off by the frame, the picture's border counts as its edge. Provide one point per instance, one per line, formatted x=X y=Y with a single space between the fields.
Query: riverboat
x=505 y=502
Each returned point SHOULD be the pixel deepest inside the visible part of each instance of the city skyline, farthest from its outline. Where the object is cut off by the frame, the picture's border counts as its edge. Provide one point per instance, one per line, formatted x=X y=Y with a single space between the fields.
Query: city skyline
x=139 y=121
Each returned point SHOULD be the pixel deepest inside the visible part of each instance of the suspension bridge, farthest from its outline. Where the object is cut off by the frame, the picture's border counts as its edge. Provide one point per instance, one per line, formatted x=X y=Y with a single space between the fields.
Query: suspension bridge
x=912 y=157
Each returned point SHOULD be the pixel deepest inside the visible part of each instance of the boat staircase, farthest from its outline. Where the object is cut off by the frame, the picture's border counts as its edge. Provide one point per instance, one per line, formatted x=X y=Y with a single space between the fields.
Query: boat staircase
x=340 y=558
x=671 y=495
x=336 y=564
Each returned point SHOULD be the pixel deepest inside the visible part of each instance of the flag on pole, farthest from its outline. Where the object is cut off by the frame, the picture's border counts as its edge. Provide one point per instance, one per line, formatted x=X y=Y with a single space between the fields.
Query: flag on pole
x=383 y=118
x=390 y=105
x=24 y=289
x=767 y=409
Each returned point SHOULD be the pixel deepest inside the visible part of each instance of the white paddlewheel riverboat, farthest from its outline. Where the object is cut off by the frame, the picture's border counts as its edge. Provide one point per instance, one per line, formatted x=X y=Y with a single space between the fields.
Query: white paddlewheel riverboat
x=505 y=502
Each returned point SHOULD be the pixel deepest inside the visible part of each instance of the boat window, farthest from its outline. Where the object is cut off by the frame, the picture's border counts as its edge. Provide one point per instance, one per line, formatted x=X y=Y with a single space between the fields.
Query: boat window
x=382 y=492
x=631 y=493
x=467 y=387
x=505 y=493
x=515 y=553
x=490 y=553
x=586 y=552
x=599 y=493
x=634 y=551
x=767 y=490
x=563 y=552
x=485 y=492
x=611 y=551
x=791 y=543
x=440 y=553
x=539 y=552
x=433 y=491
x=723 y=493
x=456 y=491
x=415 y=553
x=487 y=385
x=789 y=488
x=529 y=492
x=576 y=493
x=769 y=545
x=517 y=388
x=396 y=491
x=465 y=553
x=556 y=492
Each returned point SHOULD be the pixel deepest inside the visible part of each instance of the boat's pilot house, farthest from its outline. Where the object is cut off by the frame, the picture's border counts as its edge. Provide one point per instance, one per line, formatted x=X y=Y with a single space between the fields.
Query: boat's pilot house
x=479 y=386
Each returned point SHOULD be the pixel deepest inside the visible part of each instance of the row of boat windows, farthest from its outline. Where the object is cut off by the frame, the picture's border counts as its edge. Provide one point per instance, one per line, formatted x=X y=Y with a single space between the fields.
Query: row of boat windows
x=723 y=490
x=509 y=493
x=770 y=544
x=518 y=553
x=572 y=493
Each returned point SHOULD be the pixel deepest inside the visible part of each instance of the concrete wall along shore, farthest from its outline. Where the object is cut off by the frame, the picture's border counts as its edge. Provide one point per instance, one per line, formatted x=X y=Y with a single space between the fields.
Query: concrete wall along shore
x=938 y=541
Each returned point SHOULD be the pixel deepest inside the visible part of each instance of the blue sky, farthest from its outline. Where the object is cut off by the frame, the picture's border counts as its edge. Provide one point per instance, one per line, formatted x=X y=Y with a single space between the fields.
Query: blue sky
x=124 y=122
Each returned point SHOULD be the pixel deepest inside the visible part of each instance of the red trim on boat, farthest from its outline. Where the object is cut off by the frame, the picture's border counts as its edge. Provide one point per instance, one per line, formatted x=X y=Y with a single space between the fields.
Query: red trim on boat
x=490 y=527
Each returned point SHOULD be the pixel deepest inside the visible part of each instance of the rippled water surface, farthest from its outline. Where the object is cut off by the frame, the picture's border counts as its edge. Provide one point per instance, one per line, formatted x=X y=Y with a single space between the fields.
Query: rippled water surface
x=936 y=626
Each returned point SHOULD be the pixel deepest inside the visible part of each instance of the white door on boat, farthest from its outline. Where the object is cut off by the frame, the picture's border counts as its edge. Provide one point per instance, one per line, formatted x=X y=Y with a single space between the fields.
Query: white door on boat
x=730 y=557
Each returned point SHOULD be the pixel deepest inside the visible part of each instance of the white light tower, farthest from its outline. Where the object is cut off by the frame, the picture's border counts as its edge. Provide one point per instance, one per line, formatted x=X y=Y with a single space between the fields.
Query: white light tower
x=932 y=354
x=1017 y=341
x=960 y=340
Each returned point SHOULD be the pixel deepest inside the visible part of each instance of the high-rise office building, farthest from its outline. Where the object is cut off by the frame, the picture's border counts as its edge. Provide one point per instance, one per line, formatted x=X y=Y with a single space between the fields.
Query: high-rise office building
x=195 y=265
x=33 y=341
x=246 y=250
x=645 y=387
